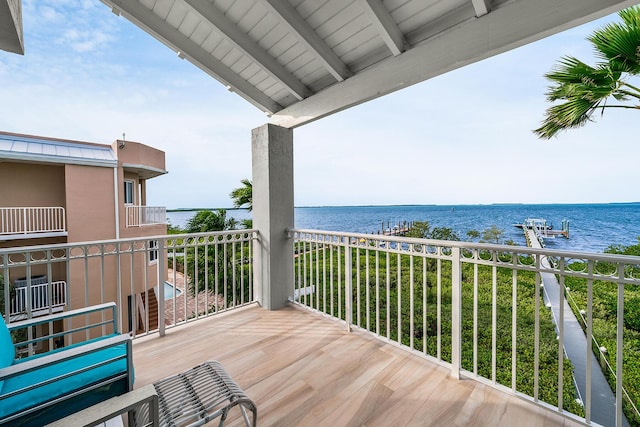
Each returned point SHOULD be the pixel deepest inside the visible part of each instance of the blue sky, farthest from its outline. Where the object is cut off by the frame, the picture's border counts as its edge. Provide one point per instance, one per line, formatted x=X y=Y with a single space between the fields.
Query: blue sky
x=461 y=138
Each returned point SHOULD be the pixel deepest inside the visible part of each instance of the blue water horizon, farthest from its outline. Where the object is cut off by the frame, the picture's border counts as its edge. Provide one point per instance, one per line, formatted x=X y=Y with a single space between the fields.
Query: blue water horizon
x=593 y=226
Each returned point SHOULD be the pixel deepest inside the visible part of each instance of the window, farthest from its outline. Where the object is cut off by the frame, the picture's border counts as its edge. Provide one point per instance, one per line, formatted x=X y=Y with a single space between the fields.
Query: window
x=128 y=193
x=153 y=251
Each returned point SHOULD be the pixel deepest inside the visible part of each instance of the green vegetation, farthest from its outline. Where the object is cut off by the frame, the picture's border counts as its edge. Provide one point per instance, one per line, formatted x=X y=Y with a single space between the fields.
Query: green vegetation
x=423 y=230
x=408 y=312
x=11 y=294
x=221 y=267
x=586 y=89
x=605 y=304
x=206 y=221
x=493 y=234
x=243 y=198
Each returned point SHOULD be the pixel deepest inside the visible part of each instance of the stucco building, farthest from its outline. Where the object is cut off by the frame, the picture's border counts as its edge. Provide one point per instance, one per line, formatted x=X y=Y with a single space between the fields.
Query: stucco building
x=62 y=191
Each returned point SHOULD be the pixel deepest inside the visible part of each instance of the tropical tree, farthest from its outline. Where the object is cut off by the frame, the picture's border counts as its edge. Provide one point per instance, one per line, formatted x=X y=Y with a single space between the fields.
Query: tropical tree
x=587 y=89
x=423 y=230
x=206 y=220
x=492 y=234
x=243 y=196
x=444 y=233
x=473 y=234
x=420 y=230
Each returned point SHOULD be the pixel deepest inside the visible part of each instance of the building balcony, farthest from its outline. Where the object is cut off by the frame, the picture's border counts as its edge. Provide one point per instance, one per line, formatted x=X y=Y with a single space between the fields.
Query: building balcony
x=46 y=298
x=142 y=216
x=32 y=222
x=377 y=330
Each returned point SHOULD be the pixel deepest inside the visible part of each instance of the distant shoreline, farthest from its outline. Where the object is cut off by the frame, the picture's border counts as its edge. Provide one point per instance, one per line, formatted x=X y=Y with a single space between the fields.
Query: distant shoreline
x=417 y=205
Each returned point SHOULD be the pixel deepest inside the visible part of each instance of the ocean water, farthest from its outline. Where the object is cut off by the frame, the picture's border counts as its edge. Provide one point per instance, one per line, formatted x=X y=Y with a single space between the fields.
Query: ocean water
x=593 y=227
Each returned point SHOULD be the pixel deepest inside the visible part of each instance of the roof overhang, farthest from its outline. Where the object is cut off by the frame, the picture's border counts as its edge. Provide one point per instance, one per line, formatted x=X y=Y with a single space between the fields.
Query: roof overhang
x=143 y=171
x=33 y=149
x=11 y=38
x=299 y=61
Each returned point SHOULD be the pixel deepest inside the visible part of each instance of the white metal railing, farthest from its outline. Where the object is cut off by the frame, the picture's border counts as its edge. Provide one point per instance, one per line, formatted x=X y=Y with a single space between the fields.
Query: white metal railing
x=479 y=310
x=139 y=216
x=601 y=351
x=44 y=296
x=208 y=273
x=27 y=220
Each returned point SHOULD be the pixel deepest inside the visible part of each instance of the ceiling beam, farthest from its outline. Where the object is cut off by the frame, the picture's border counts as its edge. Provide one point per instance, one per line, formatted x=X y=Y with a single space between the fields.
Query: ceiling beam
x=144 y=18
x=307 y=36
x=243 y=42
x=482 y=7
x=503 y=29
x=11 y=35
x=386 y=26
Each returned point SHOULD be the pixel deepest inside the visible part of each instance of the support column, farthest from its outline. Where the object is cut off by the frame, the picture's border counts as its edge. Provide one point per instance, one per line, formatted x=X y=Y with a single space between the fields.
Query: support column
x=272 y=157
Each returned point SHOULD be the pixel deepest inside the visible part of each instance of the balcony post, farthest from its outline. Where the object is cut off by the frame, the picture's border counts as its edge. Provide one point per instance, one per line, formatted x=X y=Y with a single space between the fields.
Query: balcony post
x=272 y=158
x=162 y=268
x=348 y=284
x=456 y=312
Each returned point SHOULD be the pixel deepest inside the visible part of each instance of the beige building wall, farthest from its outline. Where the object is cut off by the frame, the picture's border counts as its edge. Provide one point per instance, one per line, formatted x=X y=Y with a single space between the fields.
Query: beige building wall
x=89 y=201
x=134 y=153
x=31 y=185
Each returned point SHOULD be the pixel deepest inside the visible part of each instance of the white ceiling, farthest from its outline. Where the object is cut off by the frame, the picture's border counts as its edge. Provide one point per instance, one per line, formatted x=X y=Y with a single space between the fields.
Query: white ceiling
x=300 y=60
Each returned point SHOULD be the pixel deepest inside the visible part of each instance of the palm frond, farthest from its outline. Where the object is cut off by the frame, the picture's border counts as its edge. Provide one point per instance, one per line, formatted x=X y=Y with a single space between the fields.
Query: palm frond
x=243 y=196
x=619 y=43
x=571 y=114
x=583 y=89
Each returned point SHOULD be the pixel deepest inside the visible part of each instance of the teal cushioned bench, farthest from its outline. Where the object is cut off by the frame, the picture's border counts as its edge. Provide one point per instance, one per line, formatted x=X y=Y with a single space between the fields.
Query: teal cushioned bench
x=49 y=386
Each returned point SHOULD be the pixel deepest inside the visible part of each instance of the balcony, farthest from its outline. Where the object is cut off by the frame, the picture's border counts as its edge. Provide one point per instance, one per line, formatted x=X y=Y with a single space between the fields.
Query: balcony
x=30 y=222
x=141 y=216
x=46 y=298
x=378 y=329
x=302 y=368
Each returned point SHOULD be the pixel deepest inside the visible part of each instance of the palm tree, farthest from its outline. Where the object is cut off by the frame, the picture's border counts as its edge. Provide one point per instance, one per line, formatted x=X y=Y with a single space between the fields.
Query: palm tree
x=587 y=89
x=243 y=196
x=205 y=221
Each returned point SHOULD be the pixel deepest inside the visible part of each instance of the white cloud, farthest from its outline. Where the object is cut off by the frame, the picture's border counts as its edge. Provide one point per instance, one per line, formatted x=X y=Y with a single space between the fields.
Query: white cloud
x=84 y=41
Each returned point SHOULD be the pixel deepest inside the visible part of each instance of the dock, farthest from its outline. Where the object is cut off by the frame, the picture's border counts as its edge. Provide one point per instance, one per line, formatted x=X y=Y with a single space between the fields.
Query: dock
x=576 y=345
x=542 y=230
x=399 y=229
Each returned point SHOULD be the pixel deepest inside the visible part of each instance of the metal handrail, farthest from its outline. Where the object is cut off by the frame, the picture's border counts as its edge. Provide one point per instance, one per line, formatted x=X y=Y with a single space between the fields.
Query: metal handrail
x=27 y=220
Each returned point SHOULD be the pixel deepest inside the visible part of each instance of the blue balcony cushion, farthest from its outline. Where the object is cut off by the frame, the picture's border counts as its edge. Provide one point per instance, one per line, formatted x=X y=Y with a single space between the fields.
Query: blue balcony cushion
x=7 y=350
x=44 y=393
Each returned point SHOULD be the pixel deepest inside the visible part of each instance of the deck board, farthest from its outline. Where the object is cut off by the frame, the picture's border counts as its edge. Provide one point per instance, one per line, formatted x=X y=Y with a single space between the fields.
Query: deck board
x=302 y=368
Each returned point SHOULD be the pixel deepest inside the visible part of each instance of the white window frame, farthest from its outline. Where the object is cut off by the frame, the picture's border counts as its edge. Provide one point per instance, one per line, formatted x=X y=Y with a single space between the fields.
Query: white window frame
x=152 y=248
x=129 y=192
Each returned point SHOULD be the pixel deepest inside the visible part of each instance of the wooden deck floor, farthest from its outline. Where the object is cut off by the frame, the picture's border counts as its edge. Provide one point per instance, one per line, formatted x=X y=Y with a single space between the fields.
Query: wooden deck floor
x=304 y=369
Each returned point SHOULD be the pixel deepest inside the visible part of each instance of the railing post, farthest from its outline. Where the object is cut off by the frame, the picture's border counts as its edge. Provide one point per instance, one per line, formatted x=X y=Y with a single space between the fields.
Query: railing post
x=162 y=267
x=619 y=346
x=24 y=221
x=348 y=286
x=456 y=312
